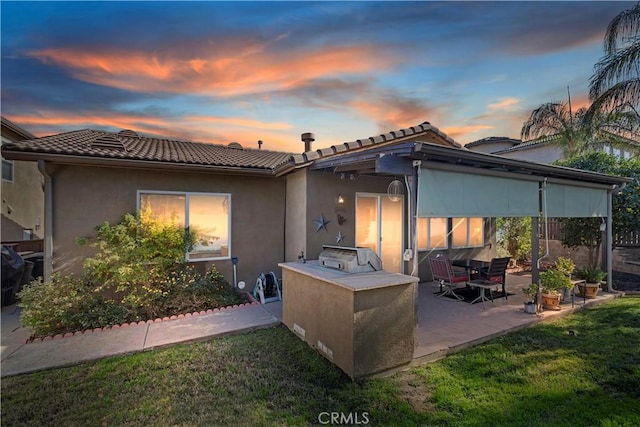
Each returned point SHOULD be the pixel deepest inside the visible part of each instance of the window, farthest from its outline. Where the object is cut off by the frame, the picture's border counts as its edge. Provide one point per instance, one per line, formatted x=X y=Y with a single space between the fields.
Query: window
x=206 y=214
x=432 y=233
x=7 y=170
x=468 y=232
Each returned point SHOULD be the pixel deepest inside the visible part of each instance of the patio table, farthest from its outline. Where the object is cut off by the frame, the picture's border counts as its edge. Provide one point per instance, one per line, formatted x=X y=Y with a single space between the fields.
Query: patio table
x=471 y=265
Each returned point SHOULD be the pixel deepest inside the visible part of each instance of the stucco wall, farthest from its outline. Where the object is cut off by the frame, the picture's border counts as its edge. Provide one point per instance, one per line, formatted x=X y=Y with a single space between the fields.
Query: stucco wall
x=546 y=153
x=296 y=215
x=323 y=189
x=23 y=201
x=85 y=197
x=491 y=147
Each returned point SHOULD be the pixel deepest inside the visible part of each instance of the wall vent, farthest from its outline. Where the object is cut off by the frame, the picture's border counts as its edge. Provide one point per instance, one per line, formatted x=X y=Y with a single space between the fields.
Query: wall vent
x=108 y=141
x=127 y=133
x=235 y=145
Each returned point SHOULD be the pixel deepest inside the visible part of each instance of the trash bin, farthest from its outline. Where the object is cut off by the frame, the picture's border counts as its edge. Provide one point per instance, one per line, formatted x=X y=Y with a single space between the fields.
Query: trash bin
x=12 y=271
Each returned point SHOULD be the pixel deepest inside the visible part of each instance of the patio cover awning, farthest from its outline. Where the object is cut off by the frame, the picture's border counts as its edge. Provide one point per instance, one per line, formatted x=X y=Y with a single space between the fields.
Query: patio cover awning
x=459 y=183
x=465 y=194
x=456 y=194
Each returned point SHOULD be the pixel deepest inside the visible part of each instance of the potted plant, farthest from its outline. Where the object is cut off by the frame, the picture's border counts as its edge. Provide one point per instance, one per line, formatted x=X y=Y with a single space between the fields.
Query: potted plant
x=592 y=275
x=552 y=281
x=531 y=292
x=566 y=266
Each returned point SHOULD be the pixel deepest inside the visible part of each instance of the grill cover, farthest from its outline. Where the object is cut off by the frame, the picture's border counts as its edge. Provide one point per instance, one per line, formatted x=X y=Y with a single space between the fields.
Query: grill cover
x=350 y=260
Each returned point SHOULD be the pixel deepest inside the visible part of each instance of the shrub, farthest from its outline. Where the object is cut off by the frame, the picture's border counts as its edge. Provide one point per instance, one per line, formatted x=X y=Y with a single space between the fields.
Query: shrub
x=140 y=249
x=65 y=304
x=139 y=260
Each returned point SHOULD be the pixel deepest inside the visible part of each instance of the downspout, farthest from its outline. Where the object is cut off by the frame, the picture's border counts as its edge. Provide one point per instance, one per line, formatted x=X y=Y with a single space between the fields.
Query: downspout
x=414 y=218
x=536 y=273
x=48 y=221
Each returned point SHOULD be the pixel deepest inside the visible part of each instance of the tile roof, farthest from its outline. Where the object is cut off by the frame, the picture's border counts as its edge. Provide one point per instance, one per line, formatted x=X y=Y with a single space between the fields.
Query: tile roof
x=492 y=139
x=16 y=129
x=424 y=132
x=127 y=145
x=539 y=142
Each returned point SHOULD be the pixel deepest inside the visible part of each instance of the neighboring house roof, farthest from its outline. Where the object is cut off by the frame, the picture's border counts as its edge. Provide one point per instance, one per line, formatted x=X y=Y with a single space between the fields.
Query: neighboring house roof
x=100 y=147
x=492 y=140
x=538 y=142
x=20 y=132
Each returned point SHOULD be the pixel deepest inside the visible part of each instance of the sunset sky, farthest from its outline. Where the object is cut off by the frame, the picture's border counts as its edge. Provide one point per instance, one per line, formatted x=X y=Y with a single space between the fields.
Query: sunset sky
x=248 y=71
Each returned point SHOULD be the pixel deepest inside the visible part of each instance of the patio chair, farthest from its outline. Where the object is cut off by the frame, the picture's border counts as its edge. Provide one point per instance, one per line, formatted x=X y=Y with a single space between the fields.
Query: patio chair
x=444 y=273
x=489 y=278
x=496 y=273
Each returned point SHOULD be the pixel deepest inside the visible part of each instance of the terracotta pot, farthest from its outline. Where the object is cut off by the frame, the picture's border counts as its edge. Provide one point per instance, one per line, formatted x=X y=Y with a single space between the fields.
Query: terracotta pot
x=591 y=289
x=551 y=302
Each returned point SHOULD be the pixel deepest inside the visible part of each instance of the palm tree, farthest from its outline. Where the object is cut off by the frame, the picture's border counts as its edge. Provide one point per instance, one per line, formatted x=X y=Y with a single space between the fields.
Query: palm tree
x=556 y=120
x=614 y=88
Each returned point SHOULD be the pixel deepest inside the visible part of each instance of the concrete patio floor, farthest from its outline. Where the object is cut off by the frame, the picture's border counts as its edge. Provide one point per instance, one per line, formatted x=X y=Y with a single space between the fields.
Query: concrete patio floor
x=446 y=325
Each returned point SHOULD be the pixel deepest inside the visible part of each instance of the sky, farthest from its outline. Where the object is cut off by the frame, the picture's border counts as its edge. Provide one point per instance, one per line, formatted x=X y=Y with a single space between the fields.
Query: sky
x=243 y=71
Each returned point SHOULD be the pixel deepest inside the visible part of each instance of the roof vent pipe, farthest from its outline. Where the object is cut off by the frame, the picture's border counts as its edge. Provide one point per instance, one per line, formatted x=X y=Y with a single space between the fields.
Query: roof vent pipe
x=308 y=138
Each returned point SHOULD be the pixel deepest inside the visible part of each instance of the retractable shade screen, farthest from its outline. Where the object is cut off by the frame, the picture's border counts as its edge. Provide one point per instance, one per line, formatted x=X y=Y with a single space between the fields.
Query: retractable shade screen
x=456 y=194
x=568 y=201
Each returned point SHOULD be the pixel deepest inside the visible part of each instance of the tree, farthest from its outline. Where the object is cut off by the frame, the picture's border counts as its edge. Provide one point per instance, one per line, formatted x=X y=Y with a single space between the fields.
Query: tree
x=514 y=235
x=586 y=232
x=556 y=120
x=614 y=88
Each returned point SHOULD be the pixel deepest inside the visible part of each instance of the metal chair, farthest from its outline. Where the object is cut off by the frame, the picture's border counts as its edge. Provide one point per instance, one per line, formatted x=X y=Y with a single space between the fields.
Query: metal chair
x=443 y=272
x=495 y=274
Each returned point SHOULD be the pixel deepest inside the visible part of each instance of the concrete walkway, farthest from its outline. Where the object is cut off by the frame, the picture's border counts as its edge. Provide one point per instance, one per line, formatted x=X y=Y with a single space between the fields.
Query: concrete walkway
x=19 y=357
x=444 y=327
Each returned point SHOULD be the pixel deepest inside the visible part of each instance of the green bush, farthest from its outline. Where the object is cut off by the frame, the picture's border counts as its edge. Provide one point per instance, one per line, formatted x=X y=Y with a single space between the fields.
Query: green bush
x=65 y=304
x=138 y=273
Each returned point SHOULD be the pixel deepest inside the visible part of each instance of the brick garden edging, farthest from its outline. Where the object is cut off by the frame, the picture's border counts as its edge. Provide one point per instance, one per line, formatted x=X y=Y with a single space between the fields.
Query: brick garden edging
x=248 y=296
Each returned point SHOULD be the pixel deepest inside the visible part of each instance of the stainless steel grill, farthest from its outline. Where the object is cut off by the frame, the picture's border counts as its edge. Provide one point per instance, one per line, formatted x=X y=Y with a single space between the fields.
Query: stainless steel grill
x=350 y=260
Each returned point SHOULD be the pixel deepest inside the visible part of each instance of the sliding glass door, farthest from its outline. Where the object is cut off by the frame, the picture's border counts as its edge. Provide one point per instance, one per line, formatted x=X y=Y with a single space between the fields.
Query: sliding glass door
x=380 y=227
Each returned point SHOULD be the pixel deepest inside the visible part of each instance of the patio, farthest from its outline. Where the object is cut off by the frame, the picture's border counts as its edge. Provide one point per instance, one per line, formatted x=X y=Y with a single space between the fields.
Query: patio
x=446 y=325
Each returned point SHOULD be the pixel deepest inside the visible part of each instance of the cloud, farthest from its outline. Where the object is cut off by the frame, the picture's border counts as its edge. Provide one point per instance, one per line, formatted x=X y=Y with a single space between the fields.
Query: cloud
x=465 y=131
x=507 y=104
x=231 y=70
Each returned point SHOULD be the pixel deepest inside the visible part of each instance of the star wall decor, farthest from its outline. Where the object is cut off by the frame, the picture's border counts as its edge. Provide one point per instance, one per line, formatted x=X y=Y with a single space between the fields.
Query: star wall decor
x=339 y=237
x=321 y=224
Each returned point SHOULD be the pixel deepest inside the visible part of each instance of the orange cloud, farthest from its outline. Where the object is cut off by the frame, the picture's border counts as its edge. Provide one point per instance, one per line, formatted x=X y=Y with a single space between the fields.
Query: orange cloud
x=503 y=104
x=464 y=132
x=228 y=72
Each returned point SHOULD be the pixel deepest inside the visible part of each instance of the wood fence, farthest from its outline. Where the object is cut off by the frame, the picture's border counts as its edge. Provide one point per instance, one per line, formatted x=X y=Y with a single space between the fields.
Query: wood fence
x=631 y=239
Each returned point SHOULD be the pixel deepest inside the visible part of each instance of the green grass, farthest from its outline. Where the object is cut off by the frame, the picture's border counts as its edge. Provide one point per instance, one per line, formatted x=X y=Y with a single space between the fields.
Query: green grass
x=541 y=376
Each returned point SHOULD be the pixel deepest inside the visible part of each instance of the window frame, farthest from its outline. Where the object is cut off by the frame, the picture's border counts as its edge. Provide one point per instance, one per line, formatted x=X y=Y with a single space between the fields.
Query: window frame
x=10 y=164
x=468 y=234
x=187 y=195
x=428 y=237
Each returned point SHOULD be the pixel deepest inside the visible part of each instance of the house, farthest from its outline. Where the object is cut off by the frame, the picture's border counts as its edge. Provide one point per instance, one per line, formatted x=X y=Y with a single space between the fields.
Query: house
x=545 y=149
x=22 y=191
x=404 y=194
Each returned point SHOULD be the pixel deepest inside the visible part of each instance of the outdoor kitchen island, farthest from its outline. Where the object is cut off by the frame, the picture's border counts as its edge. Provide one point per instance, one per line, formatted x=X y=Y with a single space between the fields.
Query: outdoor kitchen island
x=363 y=322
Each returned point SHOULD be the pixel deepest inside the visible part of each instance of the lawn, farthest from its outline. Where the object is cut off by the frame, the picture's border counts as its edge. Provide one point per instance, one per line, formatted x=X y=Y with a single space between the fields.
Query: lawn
x=583 y=370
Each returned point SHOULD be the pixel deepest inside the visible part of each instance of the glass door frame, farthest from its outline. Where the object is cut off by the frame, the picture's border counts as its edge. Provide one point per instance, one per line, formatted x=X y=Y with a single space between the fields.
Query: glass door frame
x=378 y=197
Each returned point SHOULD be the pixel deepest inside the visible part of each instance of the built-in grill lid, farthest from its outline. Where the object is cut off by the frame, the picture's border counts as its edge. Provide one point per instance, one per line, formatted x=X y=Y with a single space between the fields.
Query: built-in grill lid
x=350 y=260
